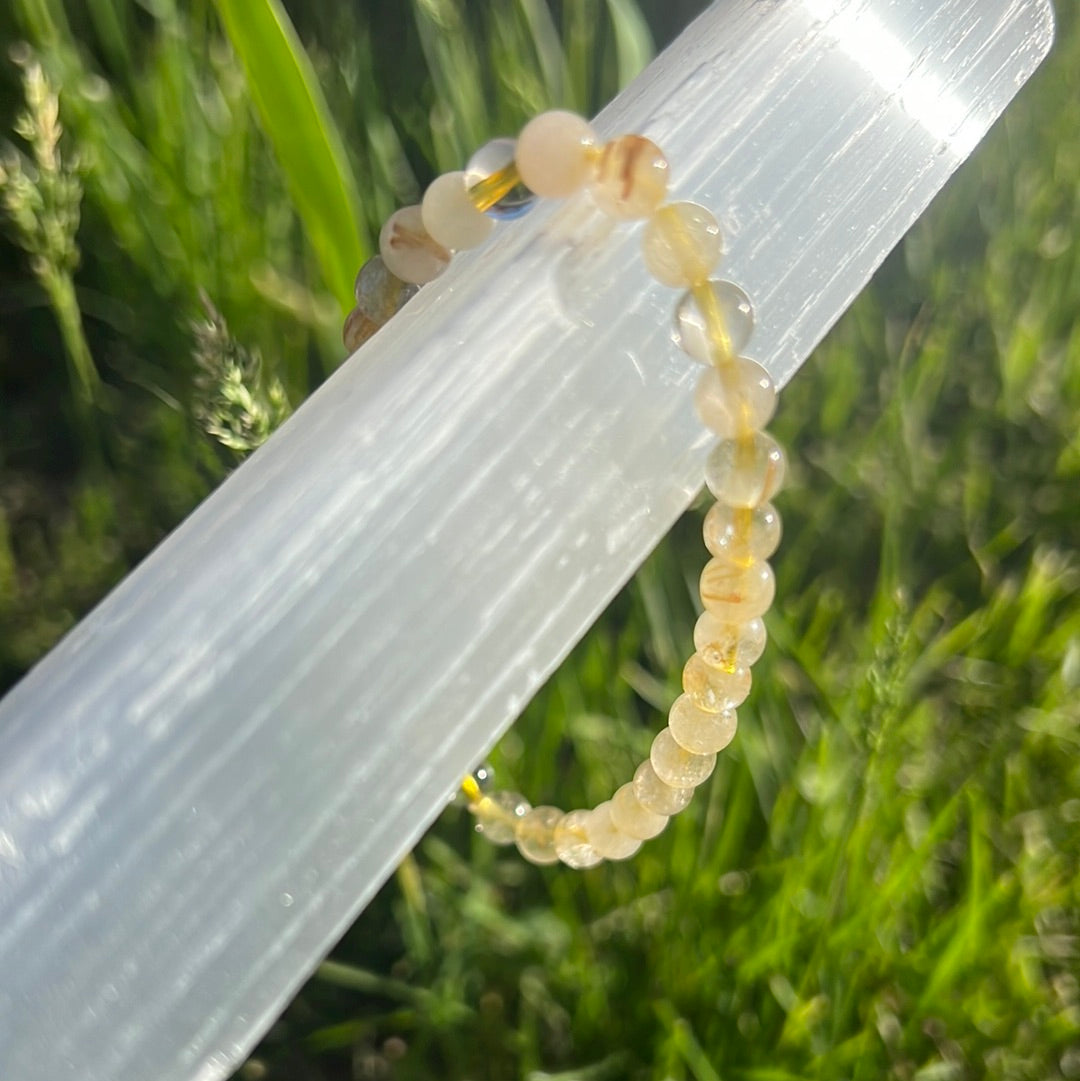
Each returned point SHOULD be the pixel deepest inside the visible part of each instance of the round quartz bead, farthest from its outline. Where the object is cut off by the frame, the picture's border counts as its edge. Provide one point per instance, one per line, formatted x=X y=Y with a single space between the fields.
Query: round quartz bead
x=451 y=217
x=656 y=796
x=605 y=838
x=727 y=645
x=535 y=834
x=676 y=766
x=715 y=689
x=380 y=295
x=721 y=330
x=700 y=732
x=408 y=251
x=493 y=184
x=737 y=593
x=745 y=472
x=497 y=816
x=682 y=244
x=554 y=154
x=572 y=841
x=631 y=818
x=738 y=397
x=742 y=534
x=631 y=177
x=357 y=329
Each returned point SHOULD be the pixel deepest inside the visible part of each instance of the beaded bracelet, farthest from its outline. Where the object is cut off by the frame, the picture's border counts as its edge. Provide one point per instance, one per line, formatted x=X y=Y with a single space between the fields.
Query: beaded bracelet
x=556 y=155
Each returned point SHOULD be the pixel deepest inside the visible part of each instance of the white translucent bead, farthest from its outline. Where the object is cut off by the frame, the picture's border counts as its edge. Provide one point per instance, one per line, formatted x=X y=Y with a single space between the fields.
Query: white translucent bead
x=497 y=815
x=700 y=732
x=657 y=796
x=555 y=153
x=682 y=244
x=724 y=644
x=408 y=251
x=736 y=592
x=676 y=766
x=631 y=818
x=741 y=534
x=735 y=398
x=714 y=689
x=450 y=216
x=493 y=183
x=745 y=472
x=572 y=841
x=721 y=330
x=606 y=838
x=535 y=834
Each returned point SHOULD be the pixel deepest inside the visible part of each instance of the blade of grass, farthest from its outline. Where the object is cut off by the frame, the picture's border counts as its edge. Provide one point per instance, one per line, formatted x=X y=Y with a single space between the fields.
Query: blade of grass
x=308 y=145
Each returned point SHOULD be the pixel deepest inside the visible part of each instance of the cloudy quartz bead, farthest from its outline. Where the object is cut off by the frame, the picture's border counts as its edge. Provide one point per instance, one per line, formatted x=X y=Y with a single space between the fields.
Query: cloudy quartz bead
x=676 y=766
x=742 y=534
x=713 y=321
x=497 y=815
x=606 y=838
x=682 y=244
x=534 y=834
x=656 y=795
x=745 y=472
x=699 y=731
x=724 y=644
x=631 y=818
x=555 y=154
x=735 y=398
x=714 y=689
x=572 y=841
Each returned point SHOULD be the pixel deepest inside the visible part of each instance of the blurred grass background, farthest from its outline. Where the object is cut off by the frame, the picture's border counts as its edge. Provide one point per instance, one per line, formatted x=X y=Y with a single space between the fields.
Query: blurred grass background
x=881 y=879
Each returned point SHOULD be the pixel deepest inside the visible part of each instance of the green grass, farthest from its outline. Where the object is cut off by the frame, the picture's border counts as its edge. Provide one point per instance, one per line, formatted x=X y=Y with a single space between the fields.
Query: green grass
x=880 y=881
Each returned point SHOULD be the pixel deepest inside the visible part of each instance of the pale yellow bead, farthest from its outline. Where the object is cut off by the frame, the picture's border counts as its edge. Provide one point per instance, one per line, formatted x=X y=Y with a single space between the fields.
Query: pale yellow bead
x=735 y=592
x=714 y=689
x=736 y=398
x=745 y=472
x=535 y=834
x=408 y=251
x=676 y=766
x=450 y=216
x=656 y=796
x=700 y=732
x=572 y=841
x=631 y=177
x=555 y=153
x=682 y=244
x=606 y=838
x=724 y=644
x=631 y=818
x=497 y=815
x=741 y=534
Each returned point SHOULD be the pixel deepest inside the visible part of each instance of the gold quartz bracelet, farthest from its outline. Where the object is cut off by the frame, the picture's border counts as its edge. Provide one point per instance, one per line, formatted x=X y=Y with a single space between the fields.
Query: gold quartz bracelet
x=558 y=155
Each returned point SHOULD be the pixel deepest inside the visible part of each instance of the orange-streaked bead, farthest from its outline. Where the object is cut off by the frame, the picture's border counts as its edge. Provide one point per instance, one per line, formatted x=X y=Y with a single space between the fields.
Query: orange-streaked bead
x=631 y=177
x=736 y=592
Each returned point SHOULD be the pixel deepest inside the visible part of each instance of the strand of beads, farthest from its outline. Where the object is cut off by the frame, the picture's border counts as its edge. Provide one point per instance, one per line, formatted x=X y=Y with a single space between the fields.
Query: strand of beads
x=556 y=155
